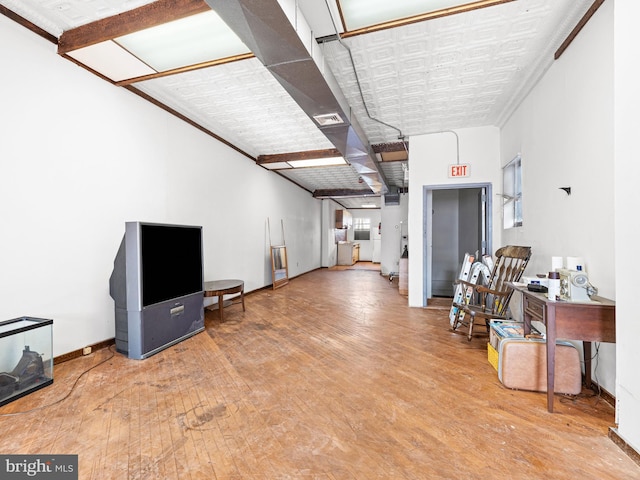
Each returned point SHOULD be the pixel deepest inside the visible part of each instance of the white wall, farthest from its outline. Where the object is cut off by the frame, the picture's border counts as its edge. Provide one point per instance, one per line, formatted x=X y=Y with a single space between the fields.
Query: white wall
x=430 y=156
x=80 y=157
x=564 y=130
x=627 y=172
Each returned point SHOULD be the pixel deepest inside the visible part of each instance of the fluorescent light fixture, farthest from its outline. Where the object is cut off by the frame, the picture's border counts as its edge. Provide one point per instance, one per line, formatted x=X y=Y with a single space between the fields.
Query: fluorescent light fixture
x=317 y=162
x=111 y=60
x=359 y=14
x=303 y=163
x=188 y=41
x=369 y=205
x=276 y=165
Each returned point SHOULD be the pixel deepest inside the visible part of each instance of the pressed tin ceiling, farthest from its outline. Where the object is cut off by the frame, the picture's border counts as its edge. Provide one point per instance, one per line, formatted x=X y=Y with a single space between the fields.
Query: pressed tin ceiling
x=450 y=72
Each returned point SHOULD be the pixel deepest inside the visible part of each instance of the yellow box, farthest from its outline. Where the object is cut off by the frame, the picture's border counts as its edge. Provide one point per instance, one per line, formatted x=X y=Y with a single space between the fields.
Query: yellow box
x=492 y=356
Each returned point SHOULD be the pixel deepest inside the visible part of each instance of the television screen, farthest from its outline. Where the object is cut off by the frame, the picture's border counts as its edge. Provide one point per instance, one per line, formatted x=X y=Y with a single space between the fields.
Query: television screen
x=171 y=262
x=157 y=287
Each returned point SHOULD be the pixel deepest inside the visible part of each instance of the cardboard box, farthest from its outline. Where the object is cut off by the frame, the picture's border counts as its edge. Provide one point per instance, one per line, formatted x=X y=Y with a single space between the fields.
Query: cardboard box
x=500 y=329
x=522 y=365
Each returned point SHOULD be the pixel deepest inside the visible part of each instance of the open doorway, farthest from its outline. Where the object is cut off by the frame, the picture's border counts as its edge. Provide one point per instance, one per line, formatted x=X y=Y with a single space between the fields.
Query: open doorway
x=457 y=221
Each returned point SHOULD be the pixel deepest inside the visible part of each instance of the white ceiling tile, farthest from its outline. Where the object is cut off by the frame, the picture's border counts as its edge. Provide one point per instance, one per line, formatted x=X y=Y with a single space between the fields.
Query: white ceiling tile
x=465 y=70
x=253 y=109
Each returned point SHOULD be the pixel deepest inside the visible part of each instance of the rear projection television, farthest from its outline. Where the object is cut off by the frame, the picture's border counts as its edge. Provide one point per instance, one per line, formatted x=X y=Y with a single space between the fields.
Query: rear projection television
x=157 y=287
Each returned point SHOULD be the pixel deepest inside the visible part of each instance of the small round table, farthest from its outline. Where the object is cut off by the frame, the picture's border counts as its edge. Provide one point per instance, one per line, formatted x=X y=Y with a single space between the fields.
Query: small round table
x=220 y=288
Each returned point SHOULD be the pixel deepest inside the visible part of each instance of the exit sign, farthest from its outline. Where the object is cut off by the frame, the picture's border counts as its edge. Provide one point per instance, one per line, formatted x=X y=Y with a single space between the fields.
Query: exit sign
x=459 y=170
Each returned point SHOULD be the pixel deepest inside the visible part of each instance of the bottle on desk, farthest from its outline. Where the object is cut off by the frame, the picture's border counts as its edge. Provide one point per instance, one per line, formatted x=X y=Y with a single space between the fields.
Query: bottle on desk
x=553 y=292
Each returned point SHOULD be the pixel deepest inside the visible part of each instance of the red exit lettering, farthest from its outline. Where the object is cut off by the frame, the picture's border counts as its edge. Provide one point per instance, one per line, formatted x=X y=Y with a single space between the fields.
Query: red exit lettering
x=459 y=170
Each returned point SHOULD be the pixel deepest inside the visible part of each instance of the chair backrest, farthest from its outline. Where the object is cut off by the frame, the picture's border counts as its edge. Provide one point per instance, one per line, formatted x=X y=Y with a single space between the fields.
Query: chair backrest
x=510 y=262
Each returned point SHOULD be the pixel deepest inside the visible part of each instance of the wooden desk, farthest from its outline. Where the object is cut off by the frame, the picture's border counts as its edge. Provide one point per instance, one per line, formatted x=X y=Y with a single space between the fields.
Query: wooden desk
x=220 y=288
x=589 y=322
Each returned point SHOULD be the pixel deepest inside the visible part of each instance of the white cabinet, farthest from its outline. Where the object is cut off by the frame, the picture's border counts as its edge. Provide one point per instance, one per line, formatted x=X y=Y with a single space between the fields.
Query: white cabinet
x=348 y=253
x=355 y=254
x=344 y=219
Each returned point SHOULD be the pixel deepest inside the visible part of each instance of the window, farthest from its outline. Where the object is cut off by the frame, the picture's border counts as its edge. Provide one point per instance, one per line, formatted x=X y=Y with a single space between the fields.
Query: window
x=361 y=228
x=512 y=193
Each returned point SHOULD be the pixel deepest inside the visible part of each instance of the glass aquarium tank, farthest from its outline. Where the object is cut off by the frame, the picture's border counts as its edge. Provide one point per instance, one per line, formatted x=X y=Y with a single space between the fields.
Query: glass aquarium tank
x=26 y=356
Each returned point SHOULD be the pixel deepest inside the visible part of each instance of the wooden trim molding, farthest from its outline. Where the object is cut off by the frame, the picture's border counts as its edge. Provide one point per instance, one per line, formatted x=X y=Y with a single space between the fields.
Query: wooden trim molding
x=112 y=341
x=146 y=16
x=27 y=24
x=177 y=114
x=342 y=192
x=188 y=68
x=306 y=155
x=574 y=33
x=79 y=353
x=602 y=393
x=624 y=446
x=445 y=12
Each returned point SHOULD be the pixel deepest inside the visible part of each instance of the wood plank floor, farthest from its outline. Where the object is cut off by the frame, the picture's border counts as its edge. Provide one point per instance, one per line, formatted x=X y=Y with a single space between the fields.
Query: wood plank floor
x=329 y=377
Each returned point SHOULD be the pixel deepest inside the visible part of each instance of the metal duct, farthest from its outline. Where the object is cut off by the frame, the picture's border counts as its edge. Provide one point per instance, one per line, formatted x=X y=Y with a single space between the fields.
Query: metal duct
x=284 y=43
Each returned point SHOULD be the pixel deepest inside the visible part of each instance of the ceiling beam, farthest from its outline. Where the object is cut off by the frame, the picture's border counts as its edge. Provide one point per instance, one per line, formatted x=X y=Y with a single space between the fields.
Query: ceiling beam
x=400 y=156
x=307 y=155
x=390 y=147
x=343 y=192
x=27 y=24
x=574 y=33
x=150 y=15
x=188 y=68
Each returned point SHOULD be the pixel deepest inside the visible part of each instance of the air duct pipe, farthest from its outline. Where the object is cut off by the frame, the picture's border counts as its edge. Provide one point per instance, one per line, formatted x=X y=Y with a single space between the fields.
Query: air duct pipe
x=278 y=35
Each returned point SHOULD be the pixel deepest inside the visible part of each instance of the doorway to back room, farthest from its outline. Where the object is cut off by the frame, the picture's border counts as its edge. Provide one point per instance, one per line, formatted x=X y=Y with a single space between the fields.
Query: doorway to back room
x=457 y=221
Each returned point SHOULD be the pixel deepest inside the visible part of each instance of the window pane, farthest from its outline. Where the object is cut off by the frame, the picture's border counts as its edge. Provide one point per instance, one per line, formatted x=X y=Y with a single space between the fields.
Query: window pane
x=517 y=220
x=361 y=235
x=512 y=193
x=361 y=228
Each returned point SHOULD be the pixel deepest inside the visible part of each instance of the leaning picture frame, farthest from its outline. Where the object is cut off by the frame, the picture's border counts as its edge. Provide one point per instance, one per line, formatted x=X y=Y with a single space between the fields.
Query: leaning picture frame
x=279 y=266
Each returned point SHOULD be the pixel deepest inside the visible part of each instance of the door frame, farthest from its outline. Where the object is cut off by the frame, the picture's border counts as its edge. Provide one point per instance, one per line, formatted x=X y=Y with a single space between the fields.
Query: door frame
x=427 y=233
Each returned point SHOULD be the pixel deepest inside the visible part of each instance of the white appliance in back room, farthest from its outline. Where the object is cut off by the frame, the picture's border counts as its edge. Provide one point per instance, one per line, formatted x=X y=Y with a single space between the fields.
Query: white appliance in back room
x=375 y=253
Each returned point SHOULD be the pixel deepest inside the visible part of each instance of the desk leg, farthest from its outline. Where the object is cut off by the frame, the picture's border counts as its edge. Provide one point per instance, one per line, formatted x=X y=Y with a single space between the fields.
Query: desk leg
x=586 y=347
x=221 y=307
x=551 y=354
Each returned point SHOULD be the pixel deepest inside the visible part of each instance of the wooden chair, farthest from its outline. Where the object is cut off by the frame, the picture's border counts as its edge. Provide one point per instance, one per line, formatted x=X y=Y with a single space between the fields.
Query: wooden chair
x=491 y=301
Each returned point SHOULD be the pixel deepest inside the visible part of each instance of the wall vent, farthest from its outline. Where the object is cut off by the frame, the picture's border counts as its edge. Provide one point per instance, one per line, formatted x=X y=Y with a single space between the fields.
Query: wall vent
x=328 y=119
x=392 y=199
